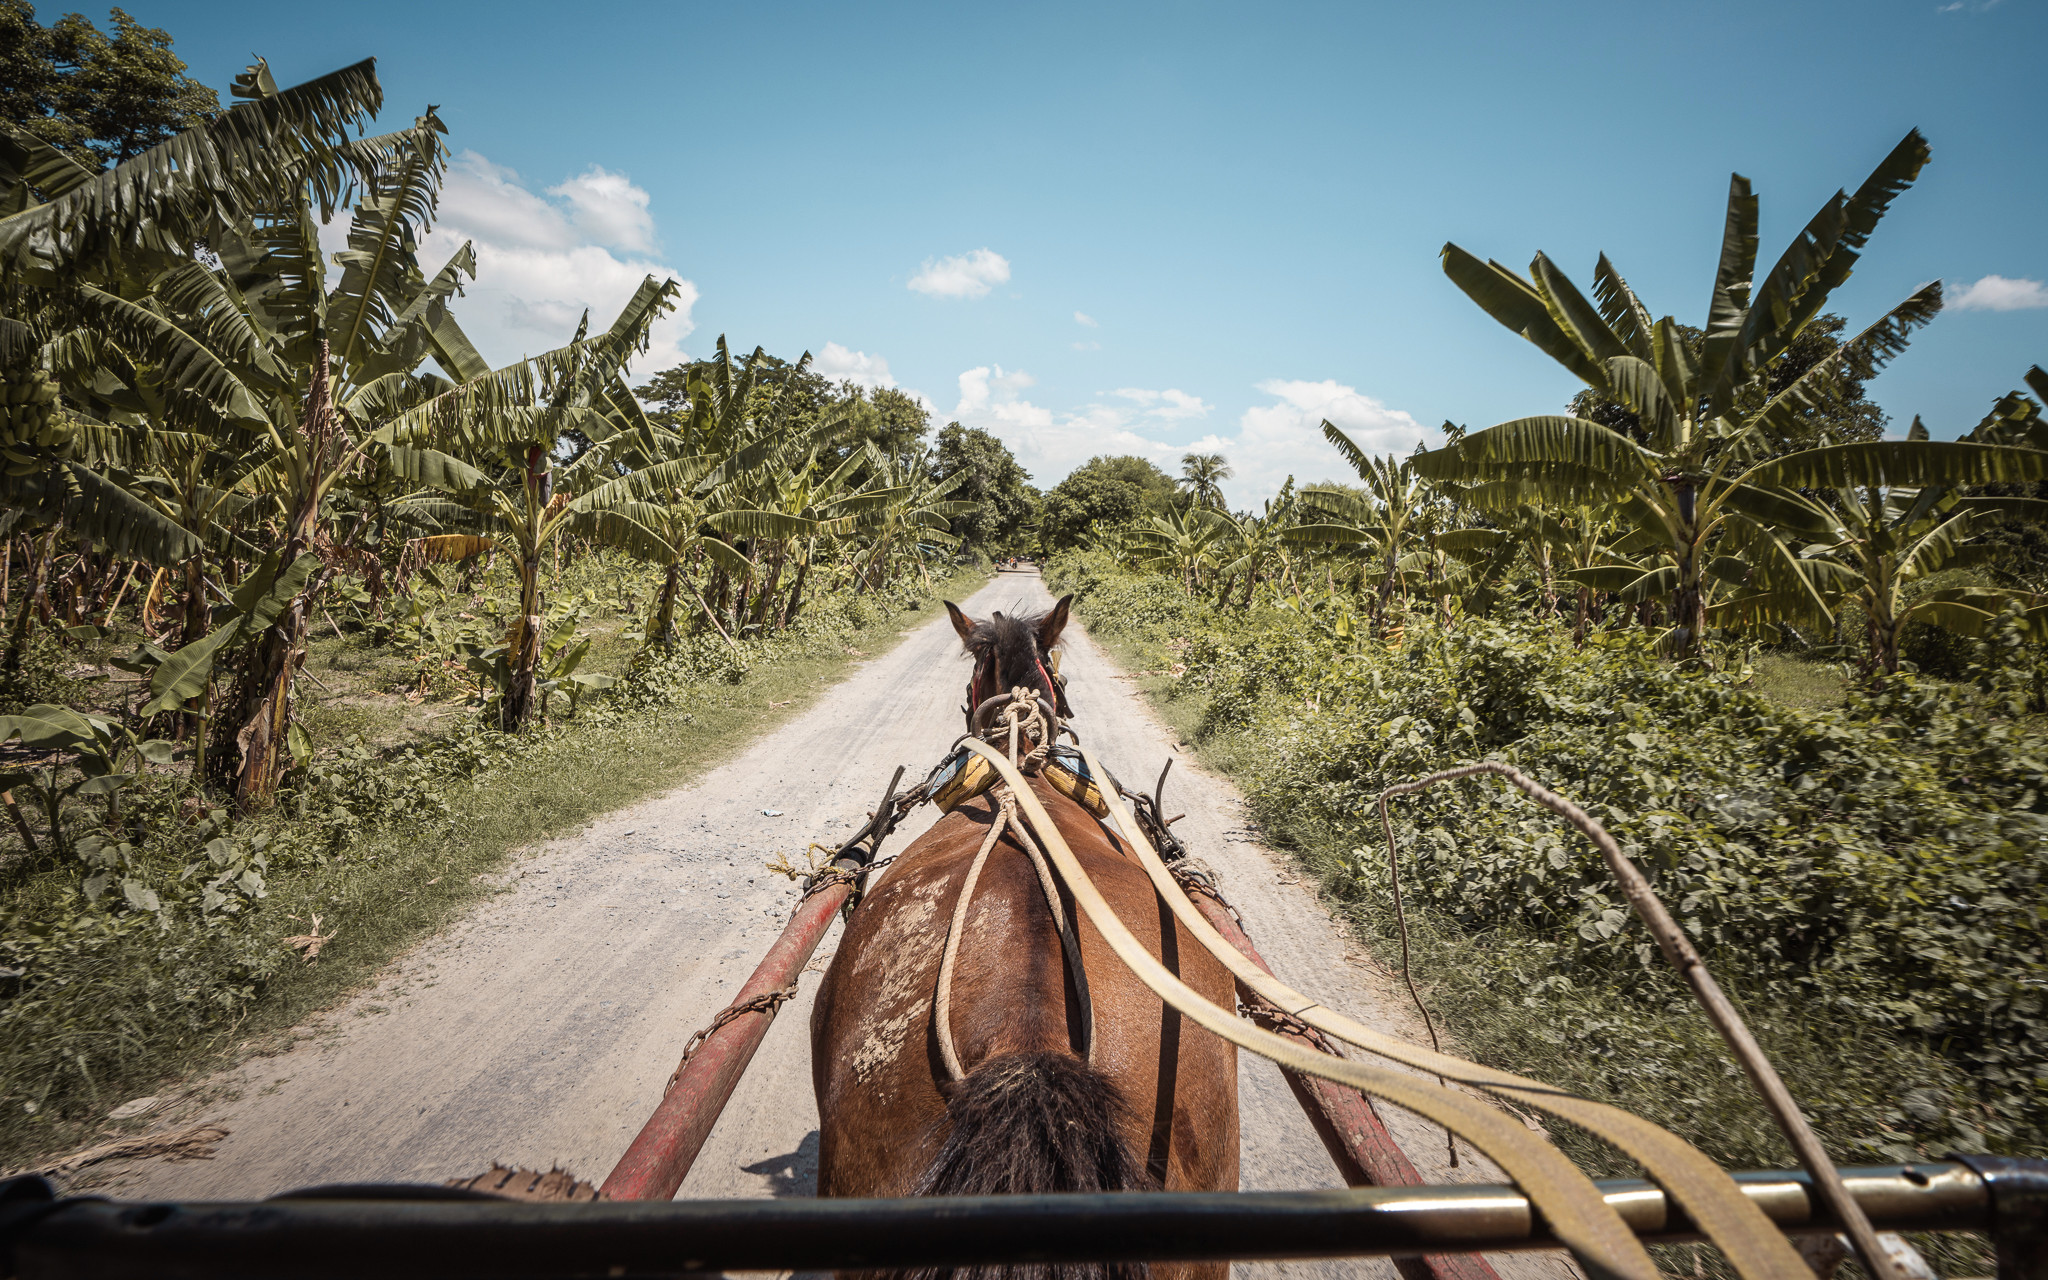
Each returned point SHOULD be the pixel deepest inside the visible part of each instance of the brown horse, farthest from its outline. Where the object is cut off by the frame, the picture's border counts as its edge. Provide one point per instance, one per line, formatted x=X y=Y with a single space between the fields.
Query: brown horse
x=1153 y=1106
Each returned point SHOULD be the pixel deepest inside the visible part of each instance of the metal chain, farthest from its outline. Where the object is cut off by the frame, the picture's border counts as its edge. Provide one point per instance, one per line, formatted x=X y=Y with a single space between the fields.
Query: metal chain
x=767 y=1002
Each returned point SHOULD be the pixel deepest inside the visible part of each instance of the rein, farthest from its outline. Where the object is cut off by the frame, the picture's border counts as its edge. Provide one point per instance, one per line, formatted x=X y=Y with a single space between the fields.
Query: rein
x=1020 y=711
x=1560 y=1191
x=1578 y=1214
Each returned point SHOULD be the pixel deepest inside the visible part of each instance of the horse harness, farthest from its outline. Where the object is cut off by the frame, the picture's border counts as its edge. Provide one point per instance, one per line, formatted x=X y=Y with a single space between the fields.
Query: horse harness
x=1574 y=1208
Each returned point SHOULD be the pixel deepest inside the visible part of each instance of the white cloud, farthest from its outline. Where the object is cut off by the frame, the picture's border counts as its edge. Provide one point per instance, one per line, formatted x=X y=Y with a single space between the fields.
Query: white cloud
x=1272 y=441
x=542 y=261
x=970 y=275
x=2000 y=293
x=1083 y=318
x=841 y=365
x=1171 y=404
x=1285 y=438
x=1087 y=346
x=609 y=209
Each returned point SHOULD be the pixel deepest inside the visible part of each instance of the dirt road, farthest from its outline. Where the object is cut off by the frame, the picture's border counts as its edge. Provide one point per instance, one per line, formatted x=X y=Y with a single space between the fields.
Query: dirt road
x=540 y=1031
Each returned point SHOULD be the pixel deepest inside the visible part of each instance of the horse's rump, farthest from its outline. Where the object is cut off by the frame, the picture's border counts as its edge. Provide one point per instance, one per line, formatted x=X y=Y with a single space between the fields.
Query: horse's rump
x=891 y=1121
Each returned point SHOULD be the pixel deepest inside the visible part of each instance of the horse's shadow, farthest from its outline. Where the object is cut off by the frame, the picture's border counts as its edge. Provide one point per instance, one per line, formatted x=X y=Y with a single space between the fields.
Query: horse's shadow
x=793 y=1173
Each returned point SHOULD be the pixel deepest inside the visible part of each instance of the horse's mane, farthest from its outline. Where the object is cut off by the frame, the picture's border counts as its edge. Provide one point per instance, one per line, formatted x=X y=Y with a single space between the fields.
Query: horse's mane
x=1014 y=646
x=1004 y=633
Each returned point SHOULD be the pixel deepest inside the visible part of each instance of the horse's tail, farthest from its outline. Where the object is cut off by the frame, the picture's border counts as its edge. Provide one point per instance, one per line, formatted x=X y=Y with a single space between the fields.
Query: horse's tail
x=1035 y=1121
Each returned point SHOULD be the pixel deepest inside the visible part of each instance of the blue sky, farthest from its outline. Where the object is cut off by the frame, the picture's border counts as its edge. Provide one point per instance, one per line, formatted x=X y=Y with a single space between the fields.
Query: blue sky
x=1138 y=228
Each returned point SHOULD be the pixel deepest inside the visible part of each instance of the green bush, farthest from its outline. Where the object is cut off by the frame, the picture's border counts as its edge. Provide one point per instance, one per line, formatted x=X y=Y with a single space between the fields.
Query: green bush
x=1870 y=877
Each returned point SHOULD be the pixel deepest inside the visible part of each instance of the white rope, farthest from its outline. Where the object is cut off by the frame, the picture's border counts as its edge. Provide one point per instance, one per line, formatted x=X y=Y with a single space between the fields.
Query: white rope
x=942 y=1007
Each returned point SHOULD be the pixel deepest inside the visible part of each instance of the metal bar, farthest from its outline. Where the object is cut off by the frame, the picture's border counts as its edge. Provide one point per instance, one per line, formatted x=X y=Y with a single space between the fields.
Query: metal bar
x=330 y=1234
x=667 y=1145
x=1345 y=1119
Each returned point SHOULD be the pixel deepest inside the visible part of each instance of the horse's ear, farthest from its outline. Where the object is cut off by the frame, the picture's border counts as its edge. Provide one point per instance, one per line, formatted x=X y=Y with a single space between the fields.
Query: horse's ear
x=1050 y=626
x=961 y=622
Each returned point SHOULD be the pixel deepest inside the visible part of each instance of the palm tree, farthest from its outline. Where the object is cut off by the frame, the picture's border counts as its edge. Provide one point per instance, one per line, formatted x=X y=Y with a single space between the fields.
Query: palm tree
x=1701 y=482
x=1202 y=475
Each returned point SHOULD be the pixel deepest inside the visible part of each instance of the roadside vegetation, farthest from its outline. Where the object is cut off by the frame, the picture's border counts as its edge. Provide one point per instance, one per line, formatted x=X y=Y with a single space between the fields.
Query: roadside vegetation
x=1796 y=666
x=312 y=615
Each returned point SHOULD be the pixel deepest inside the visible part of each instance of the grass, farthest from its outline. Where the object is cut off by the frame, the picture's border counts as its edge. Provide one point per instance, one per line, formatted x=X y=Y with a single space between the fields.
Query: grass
x=401 y=880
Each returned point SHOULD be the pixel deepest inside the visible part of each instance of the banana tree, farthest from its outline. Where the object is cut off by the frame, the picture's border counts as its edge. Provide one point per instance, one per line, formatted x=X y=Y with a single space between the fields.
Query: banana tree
x=1384 y=519
x=1887 y=541
x=1182 y=542
x=2016 y=418
x=60 y=222
x=1255 y=541
x=914 y=509
x=1703 y=483
x=521 y=413
x=256 y=350
x=62 y=225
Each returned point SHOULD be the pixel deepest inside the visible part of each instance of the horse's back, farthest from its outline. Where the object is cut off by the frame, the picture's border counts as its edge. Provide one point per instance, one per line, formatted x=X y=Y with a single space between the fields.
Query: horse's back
x=1169 y=1089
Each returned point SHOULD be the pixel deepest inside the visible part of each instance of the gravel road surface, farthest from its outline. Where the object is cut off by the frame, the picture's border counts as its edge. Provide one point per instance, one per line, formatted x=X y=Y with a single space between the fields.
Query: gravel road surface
x=539 y=1031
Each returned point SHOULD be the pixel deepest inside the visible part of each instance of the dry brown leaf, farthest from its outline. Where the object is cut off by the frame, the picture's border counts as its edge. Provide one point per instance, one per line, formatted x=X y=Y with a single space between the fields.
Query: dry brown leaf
x=310 y=943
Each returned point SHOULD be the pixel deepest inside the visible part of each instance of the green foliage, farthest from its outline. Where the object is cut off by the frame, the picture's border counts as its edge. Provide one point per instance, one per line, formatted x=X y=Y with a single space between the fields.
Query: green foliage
x=148 y=940
x=1869 y=876
x=1840 y=412
x=99 y=99
x=1006 y=505
x=1101 y=493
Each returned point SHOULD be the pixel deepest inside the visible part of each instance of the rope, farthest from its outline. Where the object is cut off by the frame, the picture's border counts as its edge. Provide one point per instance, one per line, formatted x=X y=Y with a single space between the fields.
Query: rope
x=942 y=1005
x=767 y=1002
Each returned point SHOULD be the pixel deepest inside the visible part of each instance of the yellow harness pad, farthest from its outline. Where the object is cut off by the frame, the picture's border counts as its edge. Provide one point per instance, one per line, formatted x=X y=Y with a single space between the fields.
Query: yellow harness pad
x=968 y=775
x=1076 y=785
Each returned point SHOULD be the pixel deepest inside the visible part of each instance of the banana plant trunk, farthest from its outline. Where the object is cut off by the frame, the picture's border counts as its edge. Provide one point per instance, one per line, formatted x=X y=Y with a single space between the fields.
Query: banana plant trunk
x=1884 y=629
x=192 y=628
x=1688 y=600
x=523 y=659
x=31 y=598
x=663 y=632
x=264 y=699
x=771 y=593
x=796 y=590
x=258 y=718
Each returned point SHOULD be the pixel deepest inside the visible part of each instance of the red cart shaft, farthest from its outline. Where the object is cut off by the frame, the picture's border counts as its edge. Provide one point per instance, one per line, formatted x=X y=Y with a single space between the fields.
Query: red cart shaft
x=660 y=1158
